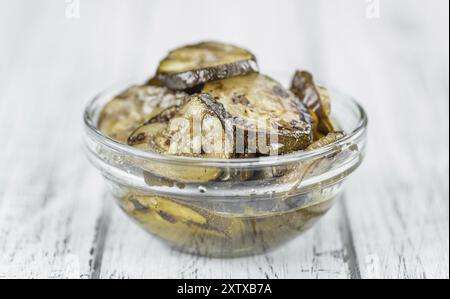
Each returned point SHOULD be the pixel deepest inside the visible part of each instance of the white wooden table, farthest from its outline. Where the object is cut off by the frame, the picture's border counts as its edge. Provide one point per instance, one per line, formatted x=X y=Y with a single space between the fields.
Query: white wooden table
x=56 y=219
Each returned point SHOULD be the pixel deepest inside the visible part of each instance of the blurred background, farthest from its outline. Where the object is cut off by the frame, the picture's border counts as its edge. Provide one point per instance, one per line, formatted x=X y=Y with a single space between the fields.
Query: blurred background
x=55 y=55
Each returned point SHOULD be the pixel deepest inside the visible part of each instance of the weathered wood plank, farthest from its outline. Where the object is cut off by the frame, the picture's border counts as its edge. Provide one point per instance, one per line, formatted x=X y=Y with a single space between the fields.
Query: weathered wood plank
x=55 y=220
x=398 y=202
x=49 y=202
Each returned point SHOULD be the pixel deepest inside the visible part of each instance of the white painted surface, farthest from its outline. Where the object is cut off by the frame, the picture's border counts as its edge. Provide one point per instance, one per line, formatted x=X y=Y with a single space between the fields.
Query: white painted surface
x=56 y=219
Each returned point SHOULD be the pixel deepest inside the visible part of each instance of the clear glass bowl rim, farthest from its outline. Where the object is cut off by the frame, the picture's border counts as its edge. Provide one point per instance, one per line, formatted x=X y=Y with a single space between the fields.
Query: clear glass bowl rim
x=352 y=137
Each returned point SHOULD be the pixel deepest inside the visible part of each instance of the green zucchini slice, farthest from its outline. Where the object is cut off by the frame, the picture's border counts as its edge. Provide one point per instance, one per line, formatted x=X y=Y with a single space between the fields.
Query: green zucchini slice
x=317 y=99
x=260 y=107
x=195 y=130
x=127 y=111
x=193 y=65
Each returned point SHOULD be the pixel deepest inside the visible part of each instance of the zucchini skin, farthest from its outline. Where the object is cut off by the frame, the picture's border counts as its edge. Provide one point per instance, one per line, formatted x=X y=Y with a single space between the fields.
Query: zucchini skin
x=235 y=62
x=189 y=79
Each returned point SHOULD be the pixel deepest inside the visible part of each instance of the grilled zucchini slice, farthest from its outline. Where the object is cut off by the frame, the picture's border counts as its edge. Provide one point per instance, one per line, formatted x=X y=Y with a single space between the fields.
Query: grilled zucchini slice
x=296 y=173
x=180 y=223
x=130 y=109
x=196 y=130
x=325 y=164
x=317 y=99
x=196 y=64
x=260 y=107
x=327 y=140
x=302 y=170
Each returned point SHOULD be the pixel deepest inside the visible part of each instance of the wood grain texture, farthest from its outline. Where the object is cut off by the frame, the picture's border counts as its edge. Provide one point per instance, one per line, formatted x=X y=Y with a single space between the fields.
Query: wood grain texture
x=56 y=219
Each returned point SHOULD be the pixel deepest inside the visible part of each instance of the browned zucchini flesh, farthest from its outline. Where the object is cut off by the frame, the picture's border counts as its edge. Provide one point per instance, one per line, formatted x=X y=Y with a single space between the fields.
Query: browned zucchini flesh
x=196 y=64
x=154 y=81
x=195 y=130
x=260 y=108
x=130 y=109
x=327 y=140
x=316 y=99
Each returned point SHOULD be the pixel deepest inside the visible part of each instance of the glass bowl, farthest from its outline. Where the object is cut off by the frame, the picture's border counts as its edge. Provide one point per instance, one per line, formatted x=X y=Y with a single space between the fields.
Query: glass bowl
x=257 y=205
